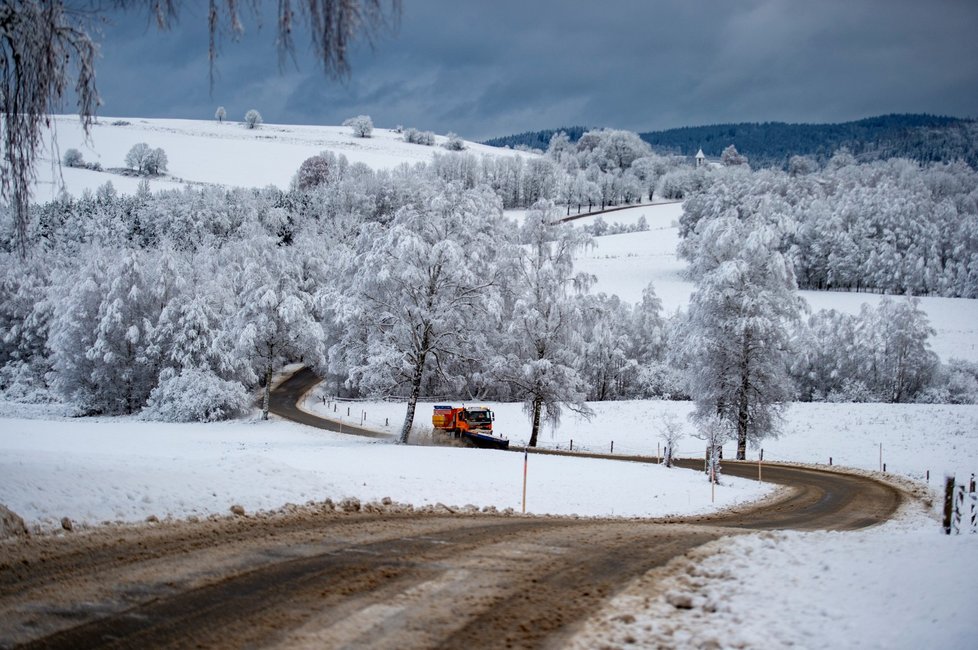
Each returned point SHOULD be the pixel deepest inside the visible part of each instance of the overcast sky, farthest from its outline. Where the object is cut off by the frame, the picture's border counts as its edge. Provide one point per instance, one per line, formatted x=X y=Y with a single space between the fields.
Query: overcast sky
x=497 y=67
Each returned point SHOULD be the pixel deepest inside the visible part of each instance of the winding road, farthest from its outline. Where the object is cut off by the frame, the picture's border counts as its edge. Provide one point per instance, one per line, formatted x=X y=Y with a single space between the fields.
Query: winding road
x=389 y=578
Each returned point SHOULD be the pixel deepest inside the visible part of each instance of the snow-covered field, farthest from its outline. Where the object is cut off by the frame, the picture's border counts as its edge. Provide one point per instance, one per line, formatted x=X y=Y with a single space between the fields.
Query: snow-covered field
x=202 y=151
x=122 y=469
x=625 y=264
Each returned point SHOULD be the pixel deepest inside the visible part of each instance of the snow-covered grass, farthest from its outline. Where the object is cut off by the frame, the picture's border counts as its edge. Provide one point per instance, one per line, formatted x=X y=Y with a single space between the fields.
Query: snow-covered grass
x=122 y=469
x=205 y=151
x=916 y=438
x=901 y=585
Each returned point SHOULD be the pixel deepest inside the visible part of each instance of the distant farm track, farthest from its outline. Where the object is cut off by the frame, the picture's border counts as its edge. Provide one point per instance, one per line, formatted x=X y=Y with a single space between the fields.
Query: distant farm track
x=390 y=578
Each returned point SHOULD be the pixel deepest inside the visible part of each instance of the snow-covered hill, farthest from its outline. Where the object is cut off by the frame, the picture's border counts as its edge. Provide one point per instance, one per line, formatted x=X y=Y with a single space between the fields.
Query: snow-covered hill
x=201 y=151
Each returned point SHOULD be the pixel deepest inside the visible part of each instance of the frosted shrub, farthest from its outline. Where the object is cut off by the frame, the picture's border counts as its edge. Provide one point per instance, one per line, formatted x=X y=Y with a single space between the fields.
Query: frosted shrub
x=24 y=382
x=414 y=136
x=196 y=396
x=454 y=143
x=253 y=119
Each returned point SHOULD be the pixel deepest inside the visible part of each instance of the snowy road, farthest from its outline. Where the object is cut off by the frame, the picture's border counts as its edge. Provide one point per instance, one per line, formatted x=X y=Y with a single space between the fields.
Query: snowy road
x=392 y=577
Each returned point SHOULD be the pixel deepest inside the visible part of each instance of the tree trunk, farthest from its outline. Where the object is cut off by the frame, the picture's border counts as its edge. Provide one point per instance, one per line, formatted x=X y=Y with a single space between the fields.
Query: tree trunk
x=412 y=399
x=268 y=393
x=535 y=430
x=743 y=402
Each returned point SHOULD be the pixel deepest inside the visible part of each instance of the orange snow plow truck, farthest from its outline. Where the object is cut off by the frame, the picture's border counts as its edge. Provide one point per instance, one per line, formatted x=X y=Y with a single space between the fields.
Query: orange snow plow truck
x=472 y=424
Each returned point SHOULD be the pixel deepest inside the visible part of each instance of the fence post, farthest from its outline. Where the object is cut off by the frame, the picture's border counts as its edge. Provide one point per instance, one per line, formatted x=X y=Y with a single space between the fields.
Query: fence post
x=948 y=503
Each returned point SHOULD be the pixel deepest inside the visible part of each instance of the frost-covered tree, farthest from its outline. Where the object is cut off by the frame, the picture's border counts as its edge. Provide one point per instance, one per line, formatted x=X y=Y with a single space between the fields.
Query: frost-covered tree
x=423 y=294
x=737 y=341
x=103 y=354
x=361 y=125
x=276 y=320
x=73 y=158
x=543 y=335
x=25 y=315
x=315 y=171
x=715 y=431
x=882 y=354
x=731 y=158
x=74 y=327
x=137 y=157
x=902 y=363
x=220 y=114
x=610 y=372
x=156 y=162
x=252 y=119
x=671 y=434
x=145 y=160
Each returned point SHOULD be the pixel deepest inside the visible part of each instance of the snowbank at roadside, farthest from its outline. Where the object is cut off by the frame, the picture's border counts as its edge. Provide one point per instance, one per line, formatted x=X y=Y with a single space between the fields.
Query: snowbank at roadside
x=900 y=585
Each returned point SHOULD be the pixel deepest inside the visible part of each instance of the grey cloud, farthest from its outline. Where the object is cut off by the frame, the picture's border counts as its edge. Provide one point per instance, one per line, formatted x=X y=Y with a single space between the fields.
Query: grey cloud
x=484 y=69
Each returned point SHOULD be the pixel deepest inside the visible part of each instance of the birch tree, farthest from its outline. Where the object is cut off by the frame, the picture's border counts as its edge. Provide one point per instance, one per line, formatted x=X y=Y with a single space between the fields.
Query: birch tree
x=737 y=343
x=423 y=294
x=543 y=328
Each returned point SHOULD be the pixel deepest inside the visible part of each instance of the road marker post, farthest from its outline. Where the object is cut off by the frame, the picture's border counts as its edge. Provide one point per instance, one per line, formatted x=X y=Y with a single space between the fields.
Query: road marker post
x=526 y=455
x=760 y=460
x=881 y=456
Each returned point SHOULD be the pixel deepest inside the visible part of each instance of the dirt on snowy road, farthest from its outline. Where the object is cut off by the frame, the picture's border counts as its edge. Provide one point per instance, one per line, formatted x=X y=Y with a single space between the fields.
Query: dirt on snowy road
x=318 y=577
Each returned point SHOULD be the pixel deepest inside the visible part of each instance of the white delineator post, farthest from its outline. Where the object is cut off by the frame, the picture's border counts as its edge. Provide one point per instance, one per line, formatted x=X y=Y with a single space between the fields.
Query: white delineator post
x=526 y=456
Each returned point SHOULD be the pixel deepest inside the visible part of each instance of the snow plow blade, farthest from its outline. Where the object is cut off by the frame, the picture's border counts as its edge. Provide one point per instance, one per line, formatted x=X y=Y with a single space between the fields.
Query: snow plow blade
x=485 y=440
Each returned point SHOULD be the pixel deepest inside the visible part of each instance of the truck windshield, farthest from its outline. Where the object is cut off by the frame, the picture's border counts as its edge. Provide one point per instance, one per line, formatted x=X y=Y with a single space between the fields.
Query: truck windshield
x=478 y=416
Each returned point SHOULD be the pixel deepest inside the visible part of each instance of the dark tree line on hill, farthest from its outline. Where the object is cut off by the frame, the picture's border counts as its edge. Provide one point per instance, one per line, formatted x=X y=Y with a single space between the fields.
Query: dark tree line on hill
x=922 y=138
x=537 y=139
